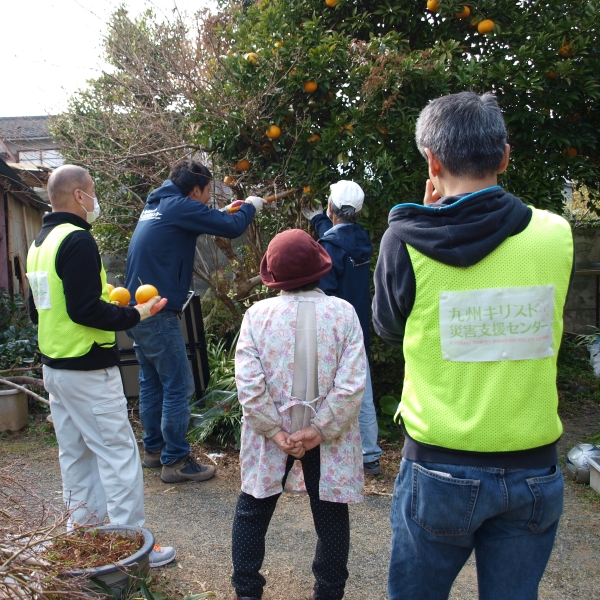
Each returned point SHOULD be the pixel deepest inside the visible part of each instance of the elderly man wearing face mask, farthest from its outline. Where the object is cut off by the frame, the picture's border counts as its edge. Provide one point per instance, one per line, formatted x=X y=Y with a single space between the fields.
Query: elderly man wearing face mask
x=68 y=299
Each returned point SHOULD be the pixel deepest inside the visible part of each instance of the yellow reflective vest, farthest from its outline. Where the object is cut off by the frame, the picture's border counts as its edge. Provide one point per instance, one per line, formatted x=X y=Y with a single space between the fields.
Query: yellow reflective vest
x=58 y=335
x=461 y=393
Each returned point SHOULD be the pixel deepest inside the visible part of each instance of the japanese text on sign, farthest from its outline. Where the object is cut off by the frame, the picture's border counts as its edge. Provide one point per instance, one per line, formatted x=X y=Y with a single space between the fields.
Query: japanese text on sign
x=512 y=323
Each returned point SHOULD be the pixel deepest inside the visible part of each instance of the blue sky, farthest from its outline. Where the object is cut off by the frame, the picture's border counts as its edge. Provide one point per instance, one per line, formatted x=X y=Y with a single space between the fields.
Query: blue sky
x=50 y=48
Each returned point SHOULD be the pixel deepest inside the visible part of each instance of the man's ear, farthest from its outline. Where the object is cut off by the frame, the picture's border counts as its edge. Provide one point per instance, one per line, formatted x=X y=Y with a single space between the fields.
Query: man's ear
x=434 y=164
x=505 y=159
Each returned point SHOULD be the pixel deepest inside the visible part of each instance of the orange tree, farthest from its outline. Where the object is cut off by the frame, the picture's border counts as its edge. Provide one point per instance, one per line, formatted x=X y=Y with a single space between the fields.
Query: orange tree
x=341 y=83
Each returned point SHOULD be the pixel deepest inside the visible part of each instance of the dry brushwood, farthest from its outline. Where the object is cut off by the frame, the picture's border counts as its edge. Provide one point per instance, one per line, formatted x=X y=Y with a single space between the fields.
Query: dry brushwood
x=28 y=524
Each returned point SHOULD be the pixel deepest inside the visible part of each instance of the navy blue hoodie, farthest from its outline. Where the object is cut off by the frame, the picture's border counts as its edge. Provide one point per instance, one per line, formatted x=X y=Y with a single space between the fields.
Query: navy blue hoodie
x=163 y=245
x=350 y=250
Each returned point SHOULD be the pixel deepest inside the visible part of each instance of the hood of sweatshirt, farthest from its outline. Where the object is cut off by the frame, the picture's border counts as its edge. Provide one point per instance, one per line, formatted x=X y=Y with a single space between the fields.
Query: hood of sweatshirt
x=353 y=239
x=461 y=230
x=167 y=190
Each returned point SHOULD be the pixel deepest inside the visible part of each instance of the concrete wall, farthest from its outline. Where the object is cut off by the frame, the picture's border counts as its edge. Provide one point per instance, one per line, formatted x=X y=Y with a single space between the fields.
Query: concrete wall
x=580 y=311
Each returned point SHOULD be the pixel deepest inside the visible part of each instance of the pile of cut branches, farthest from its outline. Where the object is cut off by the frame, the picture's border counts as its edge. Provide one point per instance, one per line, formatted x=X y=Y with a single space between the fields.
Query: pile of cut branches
x=28 y=526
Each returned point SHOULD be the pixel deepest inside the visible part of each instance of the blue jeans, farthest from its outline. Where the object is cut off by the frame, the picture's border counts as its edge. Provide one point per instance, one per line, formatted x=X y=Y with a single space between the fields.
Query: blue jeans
x=367 y=420
x=166 y=385
x=508 y=516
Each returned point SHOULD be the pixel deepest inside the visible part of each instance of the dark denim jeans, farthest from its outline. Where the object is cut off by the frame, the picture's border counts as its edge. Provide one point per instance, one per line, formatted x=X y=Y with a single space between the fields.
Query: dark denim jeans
x=166 y=385
x=441 y=513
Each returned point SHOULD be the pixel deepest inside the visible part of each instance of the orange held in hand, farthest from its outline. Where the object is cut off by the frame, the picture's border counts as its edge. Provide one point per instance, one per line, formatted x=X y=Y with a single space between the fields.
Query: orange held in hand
x=144 y=293
x=120 y=296
x=110 y=287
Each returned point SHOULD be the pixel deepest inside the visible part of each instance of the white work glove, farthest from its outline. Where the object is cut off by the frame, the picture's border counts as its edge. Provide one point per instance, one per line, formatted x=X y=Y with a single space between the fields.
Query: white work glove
x=311 y=211
x=150 y=308
x=256 y=201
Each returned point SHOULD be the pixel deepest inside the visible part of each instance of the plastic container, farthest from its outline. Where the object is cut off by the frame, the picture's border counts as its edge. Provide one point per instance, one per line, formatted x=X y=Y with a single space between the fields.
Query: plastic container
x=594 y=475
x=14 y=412
x=117 y=576
x=594 y=350
x=217 y=400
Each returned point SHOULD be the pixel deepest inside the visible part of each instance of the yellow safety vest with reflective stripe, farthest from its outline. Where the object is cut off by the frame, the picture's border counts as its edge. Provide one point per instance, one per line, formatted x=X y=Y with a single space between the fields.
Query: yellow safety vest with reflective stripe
x=58 y=335
x=500 y=405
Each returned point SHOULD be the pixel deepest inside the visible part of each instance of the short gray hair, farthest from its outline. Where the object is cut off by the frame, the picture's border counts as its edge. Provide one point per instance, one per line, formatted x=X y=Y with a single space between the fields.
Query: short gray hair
x=466 y=133
x=344 y=214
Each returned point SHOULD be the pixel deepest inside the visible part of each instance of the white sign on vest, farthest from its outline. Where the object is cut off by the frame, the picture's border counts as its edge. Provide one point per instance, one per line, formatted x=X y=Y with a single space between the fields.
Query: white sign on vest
x=40 y=289
x=493 y=324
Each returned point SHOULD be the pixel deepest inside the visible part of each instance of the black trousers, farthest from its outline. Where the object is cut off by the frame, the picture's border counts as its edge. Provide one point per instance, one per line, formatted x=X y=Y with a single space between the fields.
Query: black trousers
x=332 y=524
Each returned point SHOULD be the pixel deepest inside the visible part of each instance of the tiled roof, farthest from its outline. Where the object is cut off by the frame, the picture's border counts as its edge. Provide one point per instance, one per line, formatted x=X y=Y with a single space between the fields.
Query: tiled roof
x=19 y=128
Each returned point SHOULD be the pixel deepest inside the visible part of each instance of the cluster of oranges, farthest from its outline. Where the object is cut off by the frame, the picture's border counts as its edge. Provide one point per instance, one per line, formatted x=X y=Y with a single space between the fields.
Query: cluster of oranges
x=483 y=26
x=121 y=295
x=274 y=131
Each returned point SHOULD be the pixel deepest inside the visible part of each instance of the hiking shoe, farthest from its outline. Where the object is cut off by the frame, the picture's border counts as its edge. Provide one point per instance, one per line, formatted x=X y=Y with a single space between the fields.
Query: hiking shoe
x=161 y=555
x=151 y=460
x=187 y=470
x=372 y=468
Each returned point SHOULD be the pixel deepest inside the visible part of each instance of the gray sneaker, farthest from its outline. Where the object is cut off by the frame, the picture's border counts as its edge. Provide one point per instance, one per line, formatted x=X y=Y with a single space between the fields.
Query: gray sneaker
x=151 y=460
x=187 y=470
x=161 y=555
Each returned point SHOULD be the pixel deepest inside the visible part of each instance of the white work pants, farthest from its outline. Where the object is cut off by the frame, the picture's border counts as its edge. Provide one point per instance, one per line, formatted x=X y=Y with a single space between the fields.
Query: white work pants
x=98 y=454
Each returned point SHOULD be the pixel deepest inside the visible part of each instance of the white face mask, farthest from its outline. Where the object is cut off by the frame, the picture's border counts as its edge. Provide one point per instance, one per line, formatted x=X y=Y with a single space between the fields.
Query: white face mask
x=91 y=216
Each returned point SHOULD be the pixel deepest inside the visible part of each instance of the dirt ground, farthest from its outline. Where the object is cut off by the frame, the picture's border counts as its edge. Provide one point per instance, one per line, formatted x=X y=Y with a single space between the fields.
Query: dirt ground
x=196 y=519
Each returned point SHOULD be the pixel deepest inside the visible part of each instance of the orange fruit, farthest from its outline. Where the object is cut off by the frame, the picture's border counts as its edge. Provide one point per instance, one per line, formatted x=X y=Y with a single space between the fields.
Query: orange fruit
x=571 y=152
x=432 y=5
x=383 y=130
x=485 y=26
x=331 y=3
x=566 y=51
x=144 y=293
x=120 y=296
x=293 y=71
x=315 y=137
x=242 y=165
x=251 y=57
x=110 y=287
x=349 y=127
x=466 y=11
x=273 y=132
x=306 y=189
x=310 y=86
x=229 y=180
x=278 y=44
x=551 y=75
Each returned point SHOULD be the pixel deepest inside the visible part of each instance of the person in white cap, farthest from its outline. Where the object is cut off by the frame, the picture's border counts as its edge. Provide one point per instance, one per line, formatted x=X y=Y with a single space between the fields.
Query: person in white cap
x=349 y=247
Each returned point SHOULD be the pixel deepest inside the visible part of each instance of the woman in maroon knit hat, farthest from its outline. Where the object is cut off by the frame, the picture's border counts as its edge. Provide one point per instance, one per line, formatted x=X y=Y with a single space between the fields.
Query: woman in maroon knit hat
x=300 y=374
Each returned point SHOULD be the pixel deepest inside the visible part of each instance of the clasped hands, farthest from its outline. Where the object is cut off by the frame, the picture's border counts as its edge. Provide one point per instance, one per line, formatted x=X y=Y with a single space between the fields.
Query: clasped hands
x=297 y=444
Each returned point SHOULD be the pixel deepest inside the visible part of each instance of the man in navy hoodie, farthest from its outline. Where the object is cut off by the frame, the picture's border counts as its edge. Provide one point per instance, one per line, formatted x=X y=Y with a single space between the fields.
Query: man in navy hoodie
x=349 y=247
x=161 y=253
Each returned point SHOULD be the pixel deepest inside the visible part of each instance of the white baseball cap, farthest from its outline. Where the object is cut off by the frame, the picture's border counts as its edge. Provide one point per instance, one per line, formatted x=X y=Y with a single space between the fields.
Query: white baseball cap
x=346 y=193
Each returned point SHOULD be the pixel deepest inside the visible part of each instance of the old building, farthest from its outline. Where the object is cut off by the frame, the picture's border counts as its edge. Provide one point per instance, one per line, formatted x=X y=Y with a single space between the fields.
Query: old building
x=21 y=211
x=27 y=140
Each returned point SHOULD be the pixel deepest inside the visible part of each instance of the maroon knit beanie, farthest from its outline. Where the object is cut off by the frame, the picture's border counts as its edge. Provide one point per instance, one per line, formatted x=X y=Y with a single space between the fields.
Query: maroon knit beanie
x=292 y=260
